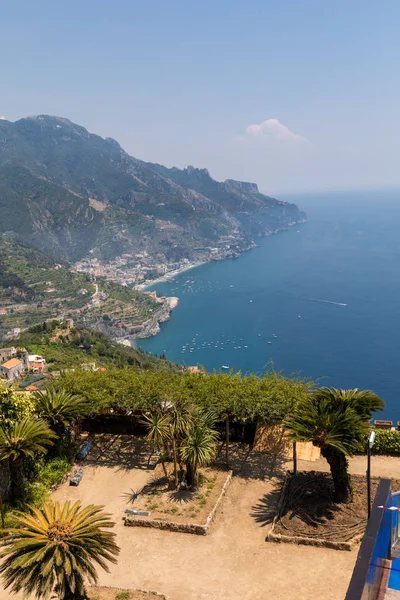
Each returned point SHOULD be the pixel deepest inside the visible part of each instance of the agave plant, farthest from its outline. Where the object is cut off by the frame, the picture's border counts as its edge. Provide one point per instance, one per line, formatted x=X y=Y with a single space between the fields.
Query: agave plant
x=21 y=439
x=55 y=548
x=335 y=421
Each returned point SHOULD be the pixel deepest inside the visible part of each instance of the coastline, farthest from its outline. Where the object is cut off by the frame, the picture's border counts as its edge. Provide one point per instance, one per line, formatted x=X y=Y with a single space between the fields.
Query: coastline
x=170 y=275
x=152 y=328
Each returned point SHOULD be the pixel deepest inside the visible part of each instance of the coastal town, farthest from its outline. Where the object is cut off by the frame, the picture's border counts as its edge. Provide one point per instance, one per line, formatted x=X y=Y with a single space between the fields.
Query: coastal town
x=143 y=269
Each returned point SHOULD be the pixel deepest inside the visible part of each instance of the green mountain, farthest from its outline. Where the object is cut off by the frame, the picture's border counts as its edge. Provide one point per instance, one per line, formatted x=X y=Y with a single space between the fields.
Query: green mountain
x=33 y=289
x=70 y=193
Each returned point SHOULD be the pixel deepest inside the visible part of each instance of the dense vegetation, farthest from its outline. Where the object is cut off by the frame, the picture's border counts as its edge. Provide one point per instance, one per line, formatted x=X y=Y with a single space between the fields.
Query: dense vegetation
x=386 y=442
x=52 y=170
x=267 y=399
x=68 y=348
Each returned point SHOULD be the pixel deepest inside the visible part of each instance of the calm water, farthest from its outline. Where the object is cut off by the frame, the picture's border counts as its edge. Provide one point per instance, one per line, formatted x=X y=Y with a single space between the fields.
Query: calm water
x=347 y=253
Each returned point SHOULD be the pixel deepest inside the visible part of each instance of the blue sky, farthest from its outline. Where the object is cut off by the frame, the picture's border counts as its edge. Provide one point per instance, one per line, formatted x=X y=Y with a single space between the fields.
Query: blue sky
x=296 y=95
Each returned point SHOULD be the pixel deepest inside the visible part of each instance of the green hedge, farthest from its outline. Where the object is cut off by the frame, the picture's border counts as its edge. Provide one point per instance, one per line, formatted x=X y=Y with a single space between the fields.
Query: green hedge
x=386 y=442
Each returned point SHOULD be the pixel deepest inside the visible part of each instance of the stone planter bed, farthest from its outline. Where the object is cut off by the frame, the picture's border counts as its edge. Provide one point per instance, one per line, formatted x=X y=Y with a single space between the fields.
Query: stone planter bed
x=182 y=511
x=306 y=512
x=111 y=593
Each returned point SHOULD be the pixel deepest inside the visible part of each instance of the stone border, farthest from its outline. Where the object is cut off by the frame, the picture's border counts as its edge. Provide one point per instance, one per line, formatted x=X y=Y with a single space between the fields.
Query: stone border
x=305 y=541
x=193 y=528
x=98 y=588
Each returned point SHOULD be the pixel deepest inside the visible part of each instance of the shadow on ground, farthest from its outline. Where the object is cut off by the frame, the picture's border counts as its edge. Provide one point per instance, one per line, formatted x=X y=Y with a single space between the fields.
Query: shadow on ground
x=122 y=451
x=252 y=465
x=266 y=509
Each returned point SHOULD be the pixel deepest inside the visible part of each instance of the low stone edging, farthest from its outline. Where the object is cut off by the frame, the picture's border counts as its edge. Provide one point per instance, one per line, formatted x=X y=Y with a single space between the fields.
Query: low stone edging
x=97 y=588
x=192 y=528
x=305 y=541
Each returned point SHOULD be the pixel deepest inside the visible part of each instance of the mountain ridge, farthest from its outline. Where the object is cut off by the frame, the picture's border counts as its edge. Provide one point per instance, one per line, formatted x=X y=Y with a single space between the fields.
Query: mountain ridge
x=79 y=194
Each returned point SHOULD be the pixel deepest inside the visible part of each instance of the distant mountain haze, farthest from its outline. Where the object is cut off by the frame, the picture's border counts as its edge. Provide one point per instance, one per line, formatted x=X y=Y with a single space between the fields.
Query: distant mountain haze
x=70 y=193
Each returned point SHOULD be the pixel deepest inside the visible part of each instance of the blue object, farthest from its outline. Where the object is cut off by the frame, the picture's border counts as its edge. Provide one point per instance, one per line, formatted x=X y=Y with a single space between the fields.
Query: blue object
x=84 y=451
x=76 y=478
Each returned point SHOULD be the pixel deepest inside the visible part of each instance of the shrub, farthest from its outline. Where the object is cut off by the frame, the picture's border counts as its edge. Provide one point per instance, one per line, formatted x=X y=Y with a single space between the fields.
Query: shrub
x=122 y=596
x=48 y=473
x=386 y=442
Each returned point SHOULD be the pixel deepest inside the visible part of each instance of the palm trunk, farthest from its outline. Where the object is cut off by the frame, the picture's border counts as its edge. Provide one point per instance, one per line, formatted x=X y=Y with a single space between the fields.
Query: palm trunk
x=341 y=478
x=162 y=462
x=17 y=488
x=192 y=478
x=227 y=440
x=174 y=457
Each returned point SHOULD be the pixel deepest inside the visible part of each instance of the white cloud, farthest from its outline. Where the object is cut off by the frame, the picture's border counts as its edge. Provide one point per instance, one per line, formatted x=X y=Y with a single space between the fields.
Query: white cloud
x=272 y=129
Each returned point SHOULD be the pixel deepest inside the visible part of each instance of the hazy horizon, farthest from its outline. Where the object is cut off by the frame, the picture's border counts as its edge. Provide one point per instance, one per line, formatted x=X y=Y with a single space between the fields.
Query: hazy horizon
x=296 y=96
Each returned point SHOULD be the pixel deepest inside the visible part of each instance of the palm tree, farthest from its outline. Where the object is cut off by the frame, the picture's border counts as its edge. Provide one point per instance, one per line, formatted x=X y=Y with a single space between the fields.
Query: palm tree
x=21 y=439
x=158 y=432
x=54 y=548
x=60 y=408
x=335 y=421
x=198 y=450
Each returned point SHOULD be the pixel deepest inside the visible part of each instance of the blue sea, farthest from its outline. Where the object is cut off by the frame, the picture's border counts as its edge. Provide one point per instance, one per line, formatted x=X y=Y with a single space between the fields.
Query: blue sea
x=325 y=294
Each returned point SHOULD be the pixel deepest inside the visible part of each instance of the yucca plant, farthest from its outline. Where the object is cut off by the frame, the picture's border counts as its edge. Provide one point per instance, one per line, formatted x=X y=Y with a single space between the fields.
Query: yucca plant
x=336 y=421
x=22 y=439
x=197 y=450
x=60 y=408
x=159 y=433
x=55 y=549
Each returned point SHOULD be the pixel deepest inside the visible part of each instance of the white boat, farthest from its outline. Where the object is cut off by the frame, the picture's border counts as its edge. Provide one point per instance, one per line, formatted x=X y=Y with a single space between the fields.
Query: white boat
x=225 y=367
x=299 y=317
x=269 y=342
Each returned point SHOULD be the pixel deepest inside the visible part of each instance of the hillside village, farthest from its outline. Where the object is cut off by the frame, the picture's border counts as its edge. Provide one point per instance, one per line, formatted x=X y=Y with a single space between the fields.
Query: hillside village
x=143 y=268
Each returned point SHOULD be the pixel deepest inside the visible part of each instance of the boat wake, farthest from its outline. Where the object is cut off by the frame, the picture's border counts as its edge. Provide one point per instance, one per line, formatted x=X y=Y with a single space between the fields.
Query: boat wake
x=327 y=301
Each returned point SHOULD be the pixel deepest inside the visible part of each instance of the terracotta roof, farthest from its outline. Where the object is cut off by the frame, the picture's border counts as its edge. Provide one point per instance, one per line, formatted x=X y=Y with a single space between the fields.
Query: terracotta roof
x=10 y=364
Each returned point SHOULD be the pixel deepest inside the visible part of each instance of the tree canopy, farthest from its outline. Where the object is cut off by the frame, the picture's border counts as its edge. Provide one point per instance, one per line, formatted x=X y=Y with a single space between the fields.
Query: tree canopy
x=267 y=398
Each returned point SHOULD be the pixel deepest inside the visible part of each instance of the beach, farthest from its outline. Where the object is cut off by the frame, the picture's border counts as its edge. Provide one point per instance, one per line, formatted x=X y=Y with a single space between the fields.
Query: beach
x=168 y=276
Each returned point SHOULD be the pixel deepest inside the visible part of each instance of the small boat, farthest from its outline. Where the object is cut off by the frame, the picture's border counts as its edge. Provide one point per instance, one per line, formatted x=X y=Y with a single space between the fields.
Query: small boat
x=225 y=367
x=299 y=317
x=269 y=342
x=274 y=335
x=251 y=300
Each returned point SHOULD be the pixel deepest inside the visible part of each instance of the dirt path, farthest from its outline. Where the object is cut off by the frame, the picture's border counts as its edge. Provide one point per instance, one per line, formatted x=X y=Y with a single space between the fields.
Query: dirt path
x=233 y=562
x=381 y=466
